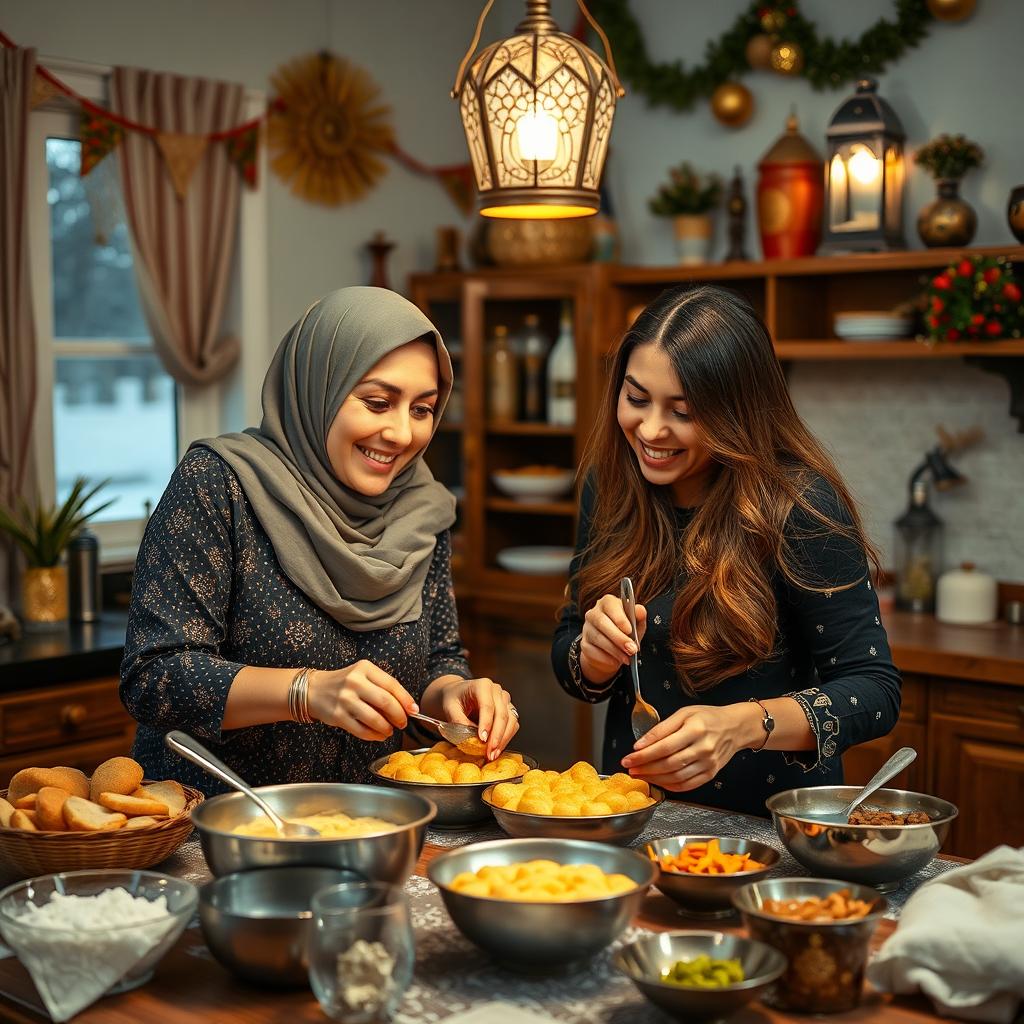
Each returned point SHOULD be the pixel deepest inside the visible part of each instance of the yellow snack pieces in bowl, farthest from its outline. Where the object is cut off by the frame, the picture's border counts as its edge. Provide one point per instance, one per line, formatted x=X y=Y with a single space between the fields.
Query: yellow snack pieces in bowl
x=578 y=792
x=541 y=881
x=445 y=764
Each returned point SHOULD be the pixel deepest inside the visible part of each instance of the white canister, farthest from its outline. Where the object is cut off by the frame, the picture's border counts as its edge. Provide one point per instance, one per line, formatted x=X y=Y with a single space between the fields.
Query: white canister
x=965 y=596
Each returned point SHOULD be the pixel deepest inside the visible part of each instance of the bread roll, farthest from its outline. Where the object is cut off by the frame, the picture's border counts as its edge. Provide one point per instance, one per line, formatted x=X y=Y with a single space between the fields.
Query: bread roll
x=50 y=809
x=85 y=816
x=117 y=775
x=31 y=780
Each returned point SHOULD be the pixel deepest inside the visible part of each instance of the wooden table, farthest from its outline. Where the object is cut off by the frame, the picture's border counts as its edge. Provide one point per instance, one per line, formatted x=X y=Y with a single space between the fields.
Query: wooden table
x=189 y=986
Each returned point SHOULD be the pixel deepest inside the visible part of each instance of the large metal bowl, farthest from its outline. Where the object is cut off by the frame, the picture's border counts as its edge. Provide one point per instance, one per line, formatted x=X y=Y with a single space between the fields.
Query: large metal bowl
x=643 y=961
x=539 y=935
x=257 y=923
x=458 y=803
x=709 y=895
x=877 y=855
x=826 y=958
x=620 y=829
x=385 y=857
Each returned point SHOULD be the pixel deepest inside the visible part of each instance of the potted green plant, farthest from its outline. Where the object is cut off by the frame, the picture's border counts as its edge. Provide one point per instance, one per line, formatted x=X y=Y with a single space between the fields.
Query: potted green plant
x=948 y=220
x=689 y=199
x=42 y=534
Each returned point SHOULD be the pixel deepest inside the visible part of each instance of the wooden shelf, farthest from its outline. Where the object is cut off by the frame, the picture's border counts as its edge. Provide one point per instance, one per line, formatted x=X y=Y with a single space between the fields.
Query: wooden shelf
x=903 y=349
x=532 y=508
x=531 y=429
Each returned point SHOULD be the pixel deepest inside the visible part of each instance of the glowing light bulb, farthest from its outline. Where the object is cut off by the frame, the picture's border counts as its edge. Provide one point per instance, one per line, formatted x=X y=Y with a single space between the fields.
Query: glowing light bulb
x=537 y=136
x=864 y=166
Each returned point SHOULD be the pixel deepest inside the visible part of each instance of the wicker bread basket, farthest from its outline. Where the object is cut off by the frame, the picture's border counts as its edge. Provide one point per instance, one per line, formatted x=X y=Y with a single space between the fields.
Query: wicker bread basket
x=26 y=854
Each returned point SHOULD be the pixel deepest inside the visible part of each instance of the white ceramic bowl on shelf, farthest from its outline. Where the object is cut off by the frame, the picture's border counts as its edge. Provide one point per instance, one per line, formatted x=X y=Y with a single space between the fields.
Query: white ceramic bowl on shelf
x=536 y=561
x=533 y=487
x=872 y=325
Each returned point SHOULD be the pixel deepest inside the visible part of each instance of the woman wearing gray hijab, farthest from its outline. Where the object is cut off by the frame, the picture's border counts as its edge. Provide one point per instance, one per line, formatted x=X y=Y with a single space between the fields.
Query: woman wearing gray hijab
x=293 y=600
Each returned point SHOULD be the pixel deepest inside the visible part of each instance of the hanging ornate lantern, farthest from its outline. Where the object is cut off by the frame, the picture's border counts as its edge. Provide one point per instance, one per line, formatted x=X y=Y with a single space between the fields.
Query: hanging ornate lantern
x=537 y=109
x=864 y=175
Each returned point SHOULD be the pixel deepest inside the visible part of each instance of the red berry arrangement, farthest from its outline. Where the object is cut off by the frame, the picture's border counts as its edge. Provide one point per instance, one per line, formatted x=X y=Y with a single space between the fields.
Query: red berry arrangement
x=974 y=299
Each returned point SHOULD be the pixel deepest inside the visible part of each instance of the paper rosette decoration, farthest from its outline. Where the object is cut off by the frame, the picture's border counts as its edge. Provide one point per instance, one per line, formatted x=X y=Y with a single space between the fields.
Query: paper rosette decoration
x=326 y=129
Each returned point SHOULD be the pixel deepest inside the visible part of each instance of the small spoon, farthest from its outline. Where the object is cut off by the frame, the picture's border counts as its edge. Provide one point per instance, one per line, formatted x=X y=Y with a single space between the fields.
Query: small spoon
x=452 y=732
x=644 y=717
x=903 y=757
x=192 y=750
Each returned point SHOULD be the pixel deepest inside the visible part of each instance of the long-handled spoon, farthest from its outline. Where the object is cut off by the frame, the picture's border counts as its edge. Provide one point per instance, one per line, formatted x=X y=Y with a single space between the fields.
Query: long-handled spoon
x=903 y=757
x=644 y=717
x=452 y=732
x=192 y=750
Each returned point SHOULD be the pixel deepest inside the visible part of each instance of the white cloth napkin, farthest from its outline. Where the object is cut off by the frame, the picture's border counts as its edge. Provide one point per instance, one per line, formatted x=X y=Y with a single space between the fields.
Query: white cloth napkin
x=499 y=1013
x=960 y=941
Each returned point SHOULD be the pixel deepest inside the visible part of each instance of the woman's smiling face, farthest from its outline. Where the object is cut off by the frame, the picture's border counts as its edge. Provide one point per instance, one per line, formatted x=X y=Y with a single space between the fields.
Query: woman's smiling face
x=654 y=417
x=386 y=420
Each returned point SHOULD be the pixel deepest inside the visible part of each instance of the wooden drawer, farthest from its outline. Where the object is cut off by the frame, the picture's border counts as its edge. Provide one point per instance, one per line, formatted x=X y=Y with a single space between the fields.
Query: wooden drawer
x=84 y=756
x=960 y=698
x=61 y=715
x=914 y=698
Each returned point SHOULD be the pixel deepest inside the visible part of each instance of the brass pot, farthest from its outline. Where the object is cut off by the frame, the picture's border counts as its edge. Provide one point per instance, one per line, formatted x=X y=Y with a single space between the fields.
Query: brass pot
x=44 y=596
x=1015 y=212
x=949 y=220
x=518 y=243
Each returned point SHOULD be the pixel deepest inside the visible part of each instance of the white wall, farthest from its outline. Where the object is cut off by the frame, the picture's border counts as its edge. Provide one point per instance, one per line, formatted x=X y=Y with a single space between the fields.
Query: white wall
x=878 y=418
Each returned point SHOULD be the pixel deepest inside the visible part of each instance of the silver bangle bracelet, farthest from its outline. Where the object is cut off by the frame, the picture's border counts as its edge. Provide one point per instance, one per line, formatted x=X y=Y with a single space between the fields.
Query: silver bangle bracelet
x=298 y=698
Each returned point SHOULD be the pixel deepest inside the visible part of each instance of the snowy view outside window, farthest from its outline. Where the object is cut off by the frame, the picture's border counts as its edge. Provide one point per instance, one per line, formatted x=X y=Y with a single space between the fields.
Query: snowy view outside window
x=114 y=406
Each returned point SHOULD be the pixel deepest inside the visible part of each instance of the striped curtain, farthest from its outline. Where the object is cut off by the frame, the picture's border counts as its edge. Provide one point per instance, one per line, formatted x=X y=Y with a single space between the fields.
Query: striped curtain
x=183 y=244
x=17 y=326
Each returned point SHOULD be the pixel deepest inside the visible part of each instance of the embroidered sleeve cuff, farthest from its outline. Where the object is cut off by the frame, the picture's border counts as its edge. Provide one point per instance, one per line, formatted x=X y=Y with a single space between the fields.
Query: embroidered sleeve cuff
x=592 y=692
x=817 y=706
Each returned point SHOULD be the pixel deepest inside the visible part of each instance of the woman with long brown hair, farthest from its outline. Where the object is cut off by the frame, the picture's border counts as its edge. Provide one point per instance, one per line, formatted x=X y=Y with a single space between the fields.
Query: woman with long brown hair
x=761 y=644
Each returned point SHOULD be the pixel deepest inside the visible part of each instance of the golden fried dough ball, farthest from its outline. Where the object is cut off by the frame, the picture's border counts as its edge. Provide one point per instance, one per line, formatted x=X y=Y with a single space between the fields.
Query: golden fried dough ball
x=592 y=808
x=474 y=746
x=503 y=792
x=620 y=782
x=467 y=773
x=533 y=802
x=439 y=773
x=534 y=776
x=444 y=747
x=400 y=757
x=635 y=800
x=616 y=801
x=581 y=771
x=431 y=757
x=408 y=773
x=388 y=770
x=565 y=808
x=541 y=881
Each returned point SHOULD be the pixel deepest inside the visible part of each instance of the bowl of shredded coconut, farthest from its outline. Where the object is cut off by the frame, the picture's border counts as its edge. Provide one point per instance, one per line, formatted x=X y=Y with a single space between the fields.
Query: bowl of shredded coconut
x=85 y=934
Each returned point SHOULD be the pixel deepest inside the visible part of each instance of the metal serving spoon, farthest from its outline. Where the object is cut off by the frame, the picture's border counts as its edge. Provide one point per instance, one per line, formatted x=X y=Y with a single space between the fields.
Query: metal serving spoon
x=903 y=757
x=192 y=750
x=644 y=717
x=449 y=730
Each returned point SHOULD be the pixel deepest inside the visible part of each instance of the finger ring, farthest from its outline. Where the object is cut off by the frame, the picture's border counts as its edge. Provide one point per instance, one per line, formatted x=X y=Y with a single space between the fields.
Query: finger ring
x=512 y=708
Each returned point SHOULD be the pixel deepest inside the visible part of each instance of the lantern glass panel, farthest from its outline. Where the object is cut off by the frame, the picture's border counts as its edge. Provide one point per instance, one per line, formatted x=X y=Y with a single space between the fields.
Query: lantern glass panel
x=894 y=190
x=855 y=188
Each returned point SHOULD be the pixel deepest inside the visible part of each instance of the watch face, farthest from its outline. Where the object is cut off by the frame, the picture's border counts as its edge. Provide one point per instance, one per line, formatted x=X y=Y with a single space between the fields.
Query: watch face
x=769 y=724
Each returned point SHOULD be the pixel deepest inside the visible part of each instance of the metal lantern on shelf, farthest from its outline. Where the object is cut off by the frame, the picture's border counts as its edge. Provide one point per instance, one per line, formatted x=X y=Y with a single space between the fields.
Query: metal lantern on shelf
x=537 y=109
x=864 y=175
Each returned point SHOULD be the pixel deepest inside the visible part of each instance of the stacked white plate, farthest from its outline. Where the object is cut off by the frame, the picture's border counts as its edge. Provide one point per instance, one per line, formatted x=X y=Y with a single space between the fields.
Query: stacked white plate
x=872 y=325
x=536 y=561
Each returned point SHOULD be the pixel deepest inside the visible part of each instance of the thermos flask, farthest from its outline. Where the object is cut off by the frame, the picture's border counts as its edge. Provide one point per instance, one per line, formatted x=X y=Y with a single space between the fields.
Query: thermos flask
x=84 y=577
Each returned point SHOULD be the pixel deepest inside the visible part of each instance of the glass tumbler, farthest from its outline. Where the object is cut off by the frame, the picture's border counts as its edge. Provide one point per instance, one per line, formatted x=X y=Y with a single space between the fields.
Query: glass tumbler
x=360 y=951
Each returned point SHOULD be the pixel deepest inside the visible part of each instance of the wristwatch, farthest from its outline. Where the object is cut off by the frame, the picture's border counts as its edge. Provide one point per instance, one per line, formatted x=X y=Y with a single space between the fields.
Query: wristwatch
x=768 y=723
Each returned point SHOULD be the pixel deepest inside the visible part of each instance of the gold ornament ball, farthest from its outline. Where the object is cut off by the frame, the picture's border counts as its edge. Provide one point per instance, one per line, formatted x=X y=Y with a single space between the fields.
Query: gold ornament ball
x=732 y=104
x=759 y=52
x=787 y=58
x=951 y=10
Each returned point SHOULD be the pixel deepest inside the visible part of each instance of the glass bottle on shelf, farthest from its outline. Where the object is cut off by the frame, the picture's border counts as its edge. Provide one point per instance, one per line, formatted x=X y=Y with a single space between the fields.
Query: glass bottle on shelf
x=918 y=552
x=502 y=378
x=533 y=346
x=562 y=374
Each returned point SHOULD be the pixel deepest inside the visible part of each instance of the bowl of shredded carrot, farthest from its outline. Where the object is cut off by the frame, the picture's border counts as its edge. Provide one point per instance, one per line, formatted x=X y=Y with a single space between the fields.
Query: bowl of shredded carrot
x=701 y=873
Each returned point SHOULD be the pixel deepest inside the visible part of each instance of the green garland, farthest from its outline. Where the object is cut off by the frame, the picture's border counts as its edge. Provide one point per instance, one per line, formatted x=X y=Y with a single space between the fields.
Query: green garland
x=827 y=64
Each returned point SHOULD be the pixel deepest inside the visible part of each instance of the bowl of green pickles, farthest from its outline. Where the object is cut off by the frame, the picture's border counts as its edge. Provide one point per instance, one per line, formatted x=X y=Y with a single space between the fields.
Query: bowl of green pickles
x=700 y=976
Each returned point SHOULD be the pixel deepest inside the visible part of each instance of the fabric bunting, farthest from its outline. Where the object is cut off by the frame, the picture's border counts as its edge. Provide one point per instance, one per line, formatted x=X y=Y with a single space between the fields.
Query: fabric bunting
x=242 y=150
x=182 y=154
x=98 y=135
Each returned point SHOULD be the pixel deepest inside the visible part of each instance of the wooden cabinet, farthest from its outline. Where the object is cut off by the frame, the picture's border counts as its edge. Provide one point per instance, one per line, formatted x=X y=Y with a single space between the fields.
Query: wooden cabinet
x=78 y=725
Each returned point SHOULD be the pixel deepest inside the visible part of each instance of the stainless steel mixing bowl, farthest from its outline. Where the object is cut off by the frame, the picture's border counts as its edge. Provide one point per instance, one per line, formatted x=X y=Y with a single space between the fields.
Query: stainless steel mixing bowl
x=709 y=895
x=257 y=923
x=458 y=803
x=621 y=829
x=643 y=961
x=384 y=857
x=539 y=935
x=826 y=958
x=877 y=855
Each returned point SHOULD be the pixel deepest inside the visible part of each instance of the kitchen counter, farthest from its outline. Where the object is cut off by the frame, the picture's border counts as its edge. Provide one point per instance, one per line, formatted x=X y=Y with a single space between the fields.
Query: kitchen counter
x=451 y=974
x=71 y=653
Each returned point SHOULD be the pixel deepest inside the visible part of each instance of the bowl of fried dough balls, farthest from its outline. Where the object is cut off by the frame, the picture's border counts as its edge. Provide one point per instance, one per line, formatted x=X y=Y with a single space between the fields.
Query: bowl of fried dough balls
x=454 y=779
x=578 y=803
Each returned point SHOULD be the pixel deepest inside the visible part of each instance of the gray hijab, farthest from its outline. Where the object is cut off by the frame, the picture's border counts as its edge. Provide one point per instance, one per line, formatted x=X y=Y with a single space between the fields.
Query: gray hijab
x=362 y=559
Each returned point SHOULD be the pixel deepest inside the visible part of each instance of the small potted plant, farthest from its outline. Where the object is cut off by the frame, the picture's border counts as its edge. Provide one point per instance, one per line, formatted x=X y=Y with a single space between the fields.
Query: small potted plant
x=689 y=199
x=948 y=220
x=42 y=534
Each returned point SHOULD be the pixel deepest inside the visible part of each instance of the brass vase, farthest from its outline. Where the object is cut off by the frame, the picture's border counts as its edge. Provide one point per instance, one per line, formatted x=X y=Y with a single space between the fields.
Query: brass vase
x=1015 y=212
x=521 y=243
x=949 y=220
x=44 y=597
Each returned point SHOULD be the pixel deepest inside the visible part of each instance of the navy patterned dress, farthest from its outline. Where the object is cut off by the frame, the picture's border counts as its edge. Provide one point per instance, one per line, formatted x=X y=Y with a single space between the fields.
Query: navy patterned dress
x=831 y=655
x=209 y=597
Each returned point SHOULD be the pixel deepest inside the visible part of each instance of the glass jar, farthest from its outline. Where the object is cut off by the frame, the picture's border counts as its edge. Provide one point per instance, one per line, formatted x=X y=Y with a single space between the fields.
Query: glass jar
x=918 y=552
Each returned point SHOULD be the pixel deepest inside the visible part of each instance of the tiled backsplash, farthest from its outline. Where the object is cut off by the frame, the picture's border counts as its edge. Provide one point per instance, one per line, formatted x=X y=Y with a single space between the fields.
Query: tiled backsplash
x=879 y=418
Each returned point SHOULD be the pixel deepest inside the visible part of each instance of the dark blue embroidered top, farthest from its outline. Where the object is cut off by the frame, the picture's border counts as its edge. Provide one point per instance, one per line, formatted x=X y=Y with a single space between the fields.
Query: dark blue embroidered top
x=209 y=597
x=832 y=656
